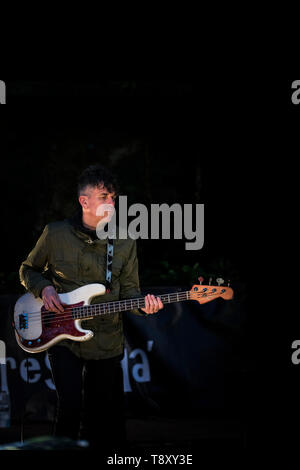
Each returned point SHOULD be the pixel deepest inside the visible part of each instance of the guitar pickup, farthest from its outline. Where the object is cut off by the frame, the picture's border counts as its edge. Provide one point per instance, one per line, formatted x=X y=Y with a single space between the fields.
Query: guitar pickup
x=23 y=321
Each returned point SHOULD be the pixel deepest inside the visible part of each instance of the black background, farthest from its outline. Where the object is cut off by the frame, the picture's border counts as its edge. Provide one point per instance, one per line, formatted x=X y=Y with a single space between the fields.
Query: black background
x=196 y=143
x=242 y=134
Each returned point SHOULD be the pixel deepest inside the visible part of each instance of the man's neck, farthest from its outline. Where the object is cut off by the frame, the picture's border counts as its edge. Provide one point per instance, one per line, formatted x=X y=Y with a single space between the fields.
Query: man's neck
x=90 y=222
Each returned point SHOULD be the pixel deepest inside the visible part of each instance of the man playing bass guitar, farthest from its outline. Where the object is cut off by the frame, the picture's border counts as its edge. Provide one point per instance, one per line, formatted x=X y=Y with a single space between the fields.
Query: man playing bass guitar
x=68 y=255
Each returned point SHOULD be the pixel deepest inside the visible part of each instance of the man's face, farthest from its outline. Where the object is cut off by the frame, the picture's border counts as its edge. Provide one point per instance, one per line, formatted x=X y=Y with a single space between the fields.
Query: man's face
x=98 y=202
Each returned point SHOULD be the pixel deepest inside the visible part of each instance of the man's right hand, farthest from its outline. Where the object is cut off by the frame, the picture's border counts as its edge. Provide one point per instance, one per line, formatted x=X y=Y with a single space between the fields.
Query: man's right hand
x=51 y=300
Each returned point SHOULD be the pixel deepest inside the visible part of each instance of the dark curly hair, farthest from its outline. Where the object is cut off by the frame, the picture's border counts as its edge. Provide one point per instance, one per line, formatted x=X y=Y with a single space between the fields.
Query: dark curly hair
x=96 y=175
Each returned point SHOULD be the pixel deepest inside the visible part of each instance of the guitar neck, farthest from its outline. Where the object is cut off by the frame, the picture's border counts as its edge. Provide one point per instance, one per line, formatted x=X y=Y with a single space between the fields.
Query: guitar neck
x=124 y=305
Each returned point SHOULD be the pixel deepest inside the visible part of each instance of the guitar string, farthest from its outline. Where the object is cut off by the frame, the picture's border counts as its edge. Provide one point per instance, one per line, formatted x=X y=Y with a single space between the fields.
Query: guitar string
x=71 y=309
x=100 y=311
x=37 y=313
x=106 y=307
x=70 y=317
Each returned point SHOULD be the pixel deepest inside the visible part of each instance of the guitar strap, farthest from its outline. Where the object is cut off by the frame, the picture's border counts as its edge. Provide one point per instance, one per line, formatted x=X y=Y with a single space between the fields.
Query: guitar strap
x=109 y=258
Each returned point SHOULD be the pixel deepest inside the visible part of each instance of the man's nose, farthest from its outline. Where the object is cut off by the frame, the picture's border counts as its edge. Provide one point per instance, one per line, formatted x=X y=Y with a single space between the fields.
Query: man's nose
x=110 y=200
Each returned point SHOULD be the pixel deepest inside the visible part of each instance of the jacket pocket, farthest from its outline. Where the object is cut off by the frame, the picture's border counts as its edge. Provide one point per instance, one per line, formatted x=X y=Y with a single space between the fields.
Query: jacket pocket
x=66 y=270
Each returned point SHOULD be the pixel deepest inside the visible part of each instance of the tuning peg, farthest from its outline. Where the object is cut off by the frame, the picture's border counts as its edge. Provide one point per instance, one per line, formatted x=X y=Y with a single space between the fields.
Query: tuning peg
x=200 y=279
x=209 y=282
x=220 y=281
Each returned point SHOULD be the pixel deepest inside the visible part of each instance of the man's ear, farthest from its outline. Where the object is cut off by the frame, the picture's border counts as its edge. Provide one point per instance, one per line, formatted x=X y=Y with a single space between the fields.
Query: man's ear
x=82 y=201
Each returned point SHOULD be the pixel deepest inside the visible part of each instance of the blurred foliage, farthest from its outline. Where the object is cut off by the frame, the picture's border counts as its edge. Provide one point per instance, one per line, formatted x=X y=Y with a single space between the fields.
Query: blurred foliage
x=157 y=154
x=170 y=273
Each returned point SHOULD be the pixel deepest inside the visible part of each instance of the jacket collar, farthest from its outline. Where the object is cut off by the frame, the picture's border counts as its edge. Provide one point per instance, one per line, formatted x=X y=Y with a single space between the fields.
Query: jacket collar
x=83 y=232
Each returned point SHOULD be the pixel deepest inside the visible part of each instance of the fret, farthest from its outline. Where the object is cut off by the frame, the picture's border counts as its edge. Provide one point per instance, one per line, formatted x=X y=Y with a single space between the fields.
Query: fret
x=123 y=305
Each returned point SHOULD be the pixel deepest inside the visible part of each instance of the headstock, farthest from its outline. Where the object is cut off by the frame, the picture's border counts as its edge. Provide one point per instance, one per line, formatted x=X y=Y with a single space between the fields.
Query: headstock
x=206 y=293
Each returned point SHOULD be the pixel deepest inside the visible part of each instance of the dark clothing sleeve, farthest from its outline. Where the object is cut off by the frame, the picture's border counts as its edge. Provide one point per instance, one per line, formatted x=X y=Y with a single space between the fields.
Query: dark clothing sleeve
x=32 y=269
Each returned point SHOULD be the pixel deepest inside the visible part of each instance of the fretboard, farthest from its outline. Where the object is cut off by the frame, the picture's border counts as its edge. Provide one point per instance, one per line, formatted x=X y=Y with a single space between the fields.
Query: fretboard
x=124 y=305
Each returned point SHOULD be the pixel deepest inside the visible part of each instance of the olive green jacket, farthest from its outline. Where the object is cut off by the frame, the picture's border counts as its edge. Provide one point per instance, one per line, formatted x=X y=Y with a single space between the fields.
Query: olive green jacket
x=67 y=258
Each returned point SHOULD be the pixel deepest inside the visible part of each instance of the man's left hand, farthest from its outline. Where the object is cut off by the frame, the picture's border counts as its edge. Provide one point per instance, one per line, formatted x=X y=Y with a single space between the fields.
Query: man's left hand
x=152 y=304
